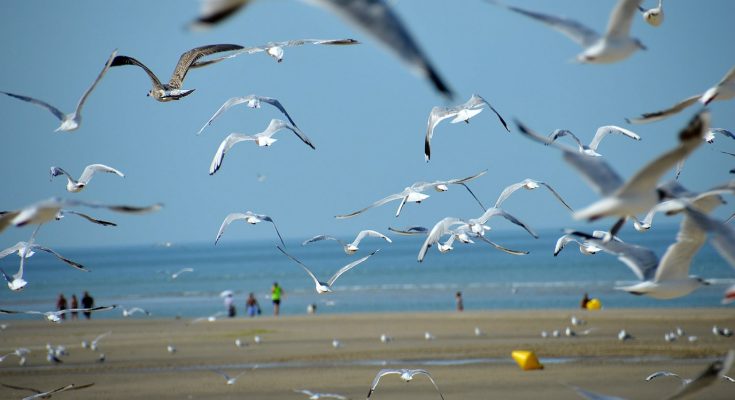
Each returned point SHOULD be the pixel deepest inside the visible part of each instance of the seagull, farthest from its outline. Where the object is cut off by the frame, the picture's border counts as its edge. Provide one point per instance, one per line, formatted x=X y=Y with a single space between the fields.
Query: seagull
x=76 y=186
x=326 y=287
x=709 y=137
x=585 y=247
x=55 y=316
x=710 y=375
x=252 y=101
x=231 y=380
x=172 y=90
x=71 y=121
x=405 y=374
x=465 y=235
x=257 y=339
x=658 y=374
x=615 y=45
x=723 y=90
x=336 y=343
x=639 y=194
x=349 y=248
x=181 y=271
x=717 y=331
x=591 y=149
x=20 y=352
x=249 y=217
x=654 y=16
x=528 y=184
x=460 y=113
x=317 y=396
x=171 y=349
x=48 y=210
x=45 y=395
x=623 y=335
x=477 y=225
x=264 y=138
x=25 y=250
x=414 y=193
x=93 y=345
x=240 y=343
x=275 y=49
x=212 y=12
x=385 y=338
x=127 y=312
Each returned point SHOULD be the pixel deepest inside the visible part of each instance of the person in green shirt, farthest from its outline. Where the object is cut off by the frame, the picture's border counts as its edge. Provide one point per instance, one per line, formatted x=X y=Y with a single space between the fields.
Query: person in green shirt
x=276 y=293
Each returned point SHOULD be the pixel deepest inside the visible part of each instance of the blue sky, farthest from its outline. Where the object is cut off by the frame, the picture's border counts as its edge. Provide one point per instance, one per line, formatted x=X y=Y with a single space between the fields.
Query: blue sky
x=364 y=111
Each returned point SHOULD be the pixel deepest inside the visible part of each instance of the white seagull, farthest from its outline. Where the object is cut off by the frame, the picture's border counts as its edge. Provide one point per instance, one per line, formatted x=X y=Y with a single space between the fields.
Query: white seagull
x=591 y=149
x=55 y=316
x=46 y=395
x=615 y=45
x=585 y=247
x=415 y=194
x=93 y=346
x=326 y=287
x=172 y=90
x=275 y=49
x=317 y=396
x=252 y=101
x=723 y=90
x=654 y=16
x=25 y=250
x=20 y=352
x=230 y=380
x=264 y=138
x=127 y=312
x=73 y=185
x=249 y=217
x=528 y=184
x=349 y=248
x=460 y=113
x=658 y=374
x=181 y=271
x=640 y=193
x=71 y=121
x=405 y=374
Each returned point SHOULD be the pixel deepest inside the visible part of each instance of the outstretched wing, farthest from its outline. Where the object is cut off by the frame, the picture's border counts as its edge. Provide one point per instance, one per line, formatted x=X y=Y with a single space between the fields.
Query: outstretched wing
x=659 y=115
x=188 y=58
x=428 y=375
x=376 y=204
x=607 y=129
x=308 y=271
x=60 y=257
x=57 y=113
x=347 y=268
x=320 y=237
x=125 y=60
x=89 y=171
x=227 y=221
x=89 y=90
x=379 y=375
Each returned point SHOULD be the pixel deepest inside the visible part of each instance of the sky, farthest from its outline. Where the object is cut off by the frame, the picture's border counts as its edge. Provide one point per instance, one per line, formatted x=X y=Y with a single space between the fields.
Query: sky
x=362 y=108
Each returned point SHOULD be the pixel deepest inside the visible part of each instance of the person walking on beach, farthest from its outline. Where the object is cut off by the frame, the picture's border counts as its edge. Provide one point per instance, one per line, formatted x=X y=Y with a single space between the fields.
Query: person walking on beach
x=74 y=304
x=276 y=294
x=230 y=305
x=61 y=304
x=87 y=302
x=251 y=305
x=460 y=303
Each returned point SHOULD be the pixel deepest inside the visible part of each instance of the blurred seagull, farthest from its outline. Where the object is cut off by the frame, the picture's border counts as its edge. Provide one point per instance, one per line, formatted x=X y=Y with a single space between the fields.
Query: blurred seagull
x=659 y=374
x=127 y=312
x=261 y=139
x=181 y=271
x=414 y=194
x=62 y=213
x=528 y=184
x=709 y=137
x=615 y=45
x=75 y=186
x=55 y=316
x=230 y=380
x=25 y=250
x=93 y=346
x=349 y=248
x=710 y=375
x=326 y=287
x=71 y=121
x=275 y=49
x=20 y=352
x=317 y=396
x=591 y=149
x=585 y=247
x=460 y=113
x=249 y=217
x=406 y=374
x=724 y=90
x=212 y=12
x=46 y=395
x=172 y=90
x=252 y=101
x=654 y=16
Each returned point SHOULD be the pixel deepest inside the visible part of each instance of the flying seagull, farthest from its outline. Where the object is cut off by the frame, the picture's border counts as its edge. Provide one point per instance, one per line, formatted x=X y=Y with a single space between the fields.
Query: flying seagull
x=73 y=185
x=405 y=374
x=181 y=271
x=710 y=375
x=654 y=16
x=349 y=248
x=25 y=250
x=94 y=345
x=127 y=312
x=318 y=396
x=460 y=113
x=230 y=380
x=275 y=49
x=252 y=101
x=264 y=138
x=46 y=395
x=615 y=45
x=591 y=149
x=723 y=90
x=71 y=121
x=55 y=316
x=249 y=217
x=659 y=374
x=326 y=287
x=414 y=193
x=172 y=90
x=212 y=12
x=585 y=247
x=528 y=184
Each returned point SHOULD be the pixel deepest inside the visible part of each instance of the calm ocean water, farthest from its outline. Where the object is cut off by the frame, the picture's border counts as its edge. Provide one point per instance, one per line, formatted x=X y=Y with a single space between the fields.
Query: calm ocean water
x=390 y=281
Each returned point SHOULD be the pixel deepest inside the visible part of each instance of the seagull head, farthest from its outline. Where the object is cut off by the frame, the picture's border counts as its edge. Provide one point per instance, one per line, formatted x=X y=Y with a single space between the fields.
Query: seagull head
x=68 y=124
x=709 y=95
x=17 y=284
x=441 y=188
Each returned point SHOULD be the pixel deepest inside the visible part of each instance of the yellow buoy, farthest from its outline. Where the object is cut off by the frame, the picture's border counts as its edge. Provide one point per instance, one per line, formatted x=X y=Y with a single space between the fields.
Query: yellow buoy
x=594 y=304
x=526 y=360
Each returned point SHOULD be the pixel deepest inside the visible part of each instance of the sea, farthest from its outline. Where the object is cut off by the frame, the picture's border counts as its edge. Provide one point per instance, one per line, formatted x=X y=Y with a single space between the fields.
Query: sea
x=390 y=281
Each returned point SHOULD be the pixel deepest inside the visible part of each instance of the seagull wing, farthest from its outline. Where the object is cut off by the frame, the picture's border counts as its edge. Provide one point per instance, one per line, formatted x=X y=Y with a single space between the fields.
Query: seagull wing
x=320 y=237
x=556 y=194
x=102 y=336
x=459 y=181
x=277 y=104
x=20 y=387
x=563 y=241
x=722 y=235
x=227 y=221
x=231 y=140
x=304 y=391
x=100 y=308
x=510 y=189
x=57 y=113
x=604 y=130
x=476 y=100
x=269 y=219
x=347 y=268
x=436 y=115
x=491 y=212
x=188 y=58
x=91 y=169
x=565 y=132
x=88 y=218
x=710 y=375
x=428 y=375
x=658 y=374
x=501 y=248
x=642 y=261
x=380 y=374
x=370 y=233
x=378 y=203
x=440 y=229
x=13 y=249
x=621 y=19
x=60 y=257
x=411 y=230
x=213 y=12
x=659 y=115
x=226 y=106
x=89 y=90
x=276 y=125
x=308 y=271
x=125 y=60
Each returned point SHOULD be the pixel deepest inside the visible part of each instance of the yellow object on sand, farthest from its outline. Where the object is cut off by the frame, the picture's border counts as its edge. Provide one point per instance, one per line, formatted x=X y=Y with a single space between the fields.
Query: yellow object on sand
x=594 y=304
x=526 y=360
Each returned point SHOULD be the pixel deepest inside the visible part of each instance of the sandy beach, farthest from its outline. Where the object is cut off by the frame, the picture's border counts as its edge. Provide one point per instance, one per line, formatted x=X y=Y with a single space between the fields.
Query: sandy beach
x=296 y=352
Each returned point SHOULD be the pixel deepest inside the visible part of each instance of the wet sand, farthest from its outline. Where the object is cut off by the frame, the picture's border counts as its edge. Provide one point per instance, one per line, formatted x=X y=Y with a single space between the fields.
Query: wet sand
x=296 y=352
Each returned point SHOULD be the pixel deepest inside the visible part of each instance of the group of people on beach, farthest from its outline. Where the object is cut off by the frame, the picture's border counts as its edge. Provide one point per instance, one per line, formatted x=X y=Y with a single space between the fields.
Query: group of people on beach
x=252 y=307
x=87 y=302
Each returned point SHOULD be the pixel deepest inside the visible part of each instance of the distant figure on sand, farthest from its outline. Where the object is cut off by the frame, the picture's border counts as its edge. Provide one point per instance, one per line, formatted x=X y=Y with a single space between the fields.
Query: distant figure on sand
x=251 y=305
x=61 y=304
x=74 y=304
x=585 y=300
x=87 y=302
x=230 y=305
x=276 y=294
x=460 y=303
